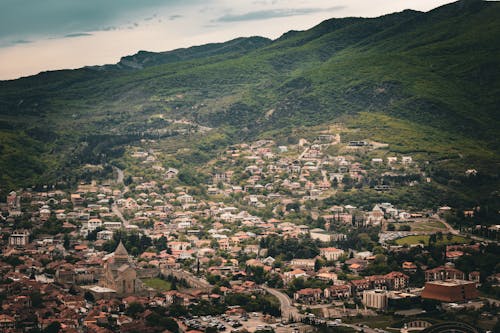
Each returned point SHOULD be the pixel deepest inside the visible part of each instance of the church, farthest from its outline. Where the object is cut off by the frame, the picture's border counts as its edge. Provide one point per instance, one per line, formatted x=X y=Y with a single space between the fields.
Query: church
x=120 y=274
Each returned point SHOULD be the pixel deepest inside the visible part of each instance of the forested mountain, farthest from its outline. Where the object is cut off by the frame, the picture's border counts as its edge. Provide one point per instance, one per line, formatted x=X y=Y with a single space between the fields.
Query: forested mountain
x=426 y=83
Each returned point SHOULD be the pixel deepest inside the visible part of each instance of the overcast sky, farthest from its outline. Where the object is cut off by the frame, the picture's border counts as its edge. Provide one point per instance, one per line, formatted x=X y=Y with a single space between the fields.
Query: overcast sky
x=39 y=35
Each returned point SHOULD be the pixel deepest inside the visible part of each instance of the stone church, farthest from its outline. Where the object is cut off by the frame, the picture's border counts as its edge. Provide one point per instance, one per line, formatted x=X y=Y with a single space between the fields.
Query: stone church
x=120 y=274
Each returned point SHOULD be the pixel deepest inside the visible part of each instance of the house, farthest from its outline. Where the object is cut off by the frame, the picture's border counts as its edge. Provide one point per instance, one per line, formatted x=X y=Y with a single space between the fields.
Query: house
x=397 y=280
x=331 y=253
x=268 y=261
x=185 y=199
x=321 y=235
x=453 y=255
x=409 y=267
x=338 y=292
x=358 y=286
x=406 y=160
x=327 y=276
x=303 y=263
x=295 y=274
x=76 y=199
x=105 y=235
x=444 y=273
x=475 y=276
x=19 y=238
x=376 y=216
x=171 y=173
x=7 y=322
x=308 y=295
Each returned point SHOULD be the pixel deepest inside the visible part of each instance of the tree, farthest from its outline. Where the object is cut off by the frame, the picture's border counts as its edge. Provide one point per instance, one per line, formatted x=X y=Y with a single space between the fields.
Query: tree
x=161 y=243
x=405 y=227
x=134 y=309
x=36 y=299
x=496 y=328
x=318 y=263
x=53 y=327
x=391 y=227
x=171 y=325
x=66 y=243
x=13 y=261
x=432 y=239
x=89 y=297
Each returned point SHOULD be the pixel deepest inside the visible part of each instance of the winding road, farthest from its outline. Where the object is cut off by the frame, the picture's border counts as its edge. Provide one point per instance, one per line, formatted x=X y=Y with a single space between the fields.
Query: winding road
x=288 y=310
x=114 y=207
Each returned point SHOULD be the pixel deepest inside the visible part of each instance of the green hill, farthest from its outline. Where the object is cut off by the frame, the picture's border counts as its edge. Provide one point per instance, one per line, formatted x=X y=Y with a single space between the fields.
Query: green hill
x=426 y=83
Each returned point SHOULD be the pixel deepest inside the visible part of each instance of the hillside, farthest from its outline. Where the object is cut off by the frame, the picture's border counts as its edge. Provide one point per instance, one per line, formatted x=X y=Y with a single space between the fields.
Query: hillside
x=425 y=83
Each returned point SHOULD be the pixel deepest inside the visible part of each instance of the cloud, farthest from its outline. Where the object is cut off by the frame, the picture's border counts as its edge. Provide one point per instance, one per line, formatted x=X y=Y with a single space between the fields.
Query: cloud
x=174 y=17
x=274 y=13
x=32 y=19
x=8 y=43
x=78 y=34
x=20 y=41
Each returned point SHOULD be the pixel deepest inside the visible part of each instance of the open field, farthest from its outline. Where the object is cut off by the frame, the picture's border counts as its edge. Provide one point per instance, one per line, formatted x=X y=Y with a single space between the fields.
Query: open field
x=380 y=321
x=158 y=284
x=426 y=226
x=418 y=239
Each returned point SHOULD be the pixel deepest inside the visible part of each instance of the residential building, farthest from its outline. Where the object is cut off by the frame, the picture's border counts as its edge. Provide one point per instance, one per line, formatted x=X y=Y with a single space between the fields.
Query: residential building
x=376 y=299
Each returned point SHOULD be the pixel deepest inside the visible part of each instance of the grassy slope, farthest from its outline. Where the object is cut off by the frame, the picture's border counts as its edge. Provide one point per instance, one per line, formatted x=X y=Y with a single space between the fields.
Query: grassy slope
x=427 y=83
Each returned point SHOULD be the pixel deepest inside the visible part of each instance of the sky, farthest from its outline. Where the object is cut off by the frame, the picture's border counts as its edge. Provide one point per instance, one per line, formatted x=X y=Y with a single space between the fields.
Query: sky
x=40 y=35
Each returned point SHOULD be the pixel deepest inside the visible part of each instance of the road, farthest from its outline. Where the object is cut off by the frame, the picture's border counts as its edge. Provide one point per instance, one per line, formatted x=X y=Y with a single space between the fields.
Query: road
x=114 y=207
x=491 y=300
x=447 y=225
x=116 y=211
x=119 y=175
x=288 y=311
x=358 y=328
x=301 y=156
x=457 y=232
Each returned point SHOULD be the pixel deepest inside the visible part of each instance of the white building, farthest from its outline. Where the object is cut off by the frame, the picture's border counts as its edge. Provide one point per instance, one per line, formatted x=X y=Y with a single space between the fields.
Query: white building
x=331 y=253
x=19 y=238
x=377 y=299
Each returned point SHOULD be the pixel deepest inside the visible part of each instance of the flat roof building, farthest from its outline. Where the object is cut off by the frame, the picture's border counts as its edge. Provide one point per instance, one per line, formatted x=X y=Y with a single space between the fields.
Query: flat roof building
x=450 y=290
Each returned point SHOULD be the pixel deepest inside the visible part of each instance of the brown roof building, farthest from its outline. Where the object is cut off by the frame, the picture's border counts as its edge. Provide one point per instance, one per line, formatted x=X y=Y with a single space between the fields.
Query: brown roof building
x=444 y=273
x=450 y=290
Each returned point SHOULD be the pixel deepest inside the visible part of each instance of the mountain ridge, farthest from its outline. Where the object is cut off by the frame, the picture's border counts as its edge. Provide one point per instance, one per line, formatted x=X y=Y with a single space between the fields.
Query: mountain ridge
x=435 y=70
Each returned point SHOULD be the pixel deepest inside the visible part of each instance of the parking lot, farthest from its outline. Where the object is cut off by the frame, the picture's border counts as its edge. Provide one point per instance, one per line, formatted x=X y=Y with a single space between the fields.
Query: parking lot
x=251 y=322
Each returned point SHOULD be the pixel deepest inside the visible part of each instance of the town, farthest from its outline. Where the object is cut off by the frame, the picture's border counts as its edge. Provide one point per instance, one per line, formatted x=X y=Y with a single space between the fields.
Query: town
x=266 y=236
